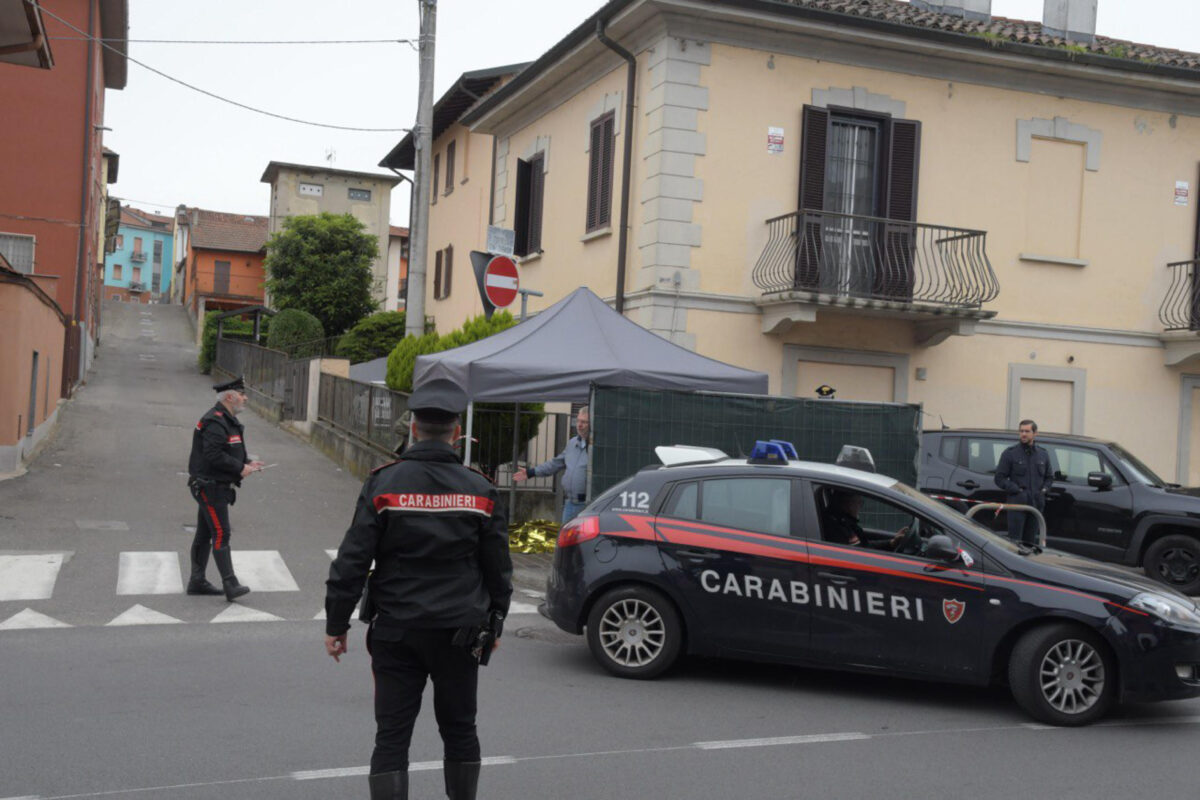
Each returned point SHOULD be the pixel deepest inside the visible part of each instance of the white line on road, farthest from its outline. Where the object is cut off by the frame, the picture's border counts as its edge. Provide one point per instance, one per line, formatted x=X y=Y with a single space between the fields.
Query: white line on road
x=140 y=615
x=517 y=607
x=263 y=571
x=101 y=525
x=416 y=766
x=29 y=577
x=774 y=741
x=149 y=573
x=236 y=613
x=27 y=619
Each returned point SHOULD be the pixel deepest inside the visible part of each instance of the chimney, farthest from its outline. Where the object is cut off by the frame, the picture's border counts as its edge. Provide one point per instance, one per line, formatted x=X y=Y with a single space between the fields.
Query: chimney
x=977 y=10
x=1074 y=20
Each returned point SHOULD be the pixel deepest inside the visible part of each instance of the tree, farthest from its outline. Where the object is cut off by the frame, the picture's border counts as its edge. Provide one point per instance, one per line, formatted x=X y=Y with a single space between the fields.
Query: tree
x=322 y=264
x=297 y=333
x=373 y=337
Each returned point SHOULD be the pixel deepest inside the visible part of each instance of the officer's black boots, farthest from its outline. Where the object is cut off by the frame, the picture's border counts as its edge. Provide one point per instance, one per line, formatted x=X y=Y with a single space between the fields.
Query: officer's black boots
x=233 y=589
x=462 y=779
x=198 y=584
x=389 y=786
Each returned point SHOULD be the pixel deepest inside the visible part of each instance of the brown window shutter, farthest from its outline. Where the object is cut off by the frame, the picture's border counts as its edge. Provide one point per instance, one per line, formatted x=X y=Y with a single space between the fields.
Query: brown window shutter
x=904 y=158
x=606 y=173
x=521 y=214
x=537 y=187
x=437 y=163
x=450 y=148
x=437 y=276
x=600 y=174
x=448 y=270
x=593 y=184
x=814 y=138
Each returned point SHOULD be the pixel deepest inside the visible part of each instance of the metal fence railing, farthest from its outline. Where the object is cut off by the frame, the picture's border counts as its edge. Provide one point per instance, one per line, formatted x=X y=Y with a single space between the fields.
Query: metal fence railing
x=540 y=437
x=1180 y=309
x=849 y=255
x=368 y=411
x=263 y=369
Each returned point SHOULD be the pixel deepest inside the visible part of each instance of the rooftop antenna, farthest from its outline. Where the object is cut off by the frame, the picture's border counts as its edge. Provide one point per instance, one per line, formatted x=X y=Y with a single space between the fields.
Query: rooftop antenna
x=330 y=155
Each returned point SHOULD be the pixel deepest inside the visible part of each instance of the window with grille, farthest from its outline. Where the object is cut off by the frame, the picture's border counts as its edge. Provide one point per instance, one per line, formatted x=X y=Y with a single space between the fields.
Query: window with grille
x=531 y=182
x=158 y=251
x=17 y=249
x=600 y=173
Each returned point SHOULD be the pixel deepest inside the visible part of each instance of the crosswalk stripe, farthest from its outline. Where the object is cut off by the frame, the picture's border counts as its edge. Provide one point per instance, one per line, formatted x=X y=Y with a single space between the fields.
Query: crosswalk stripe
x=332 y=554
x=236 y=613
x=29 y=618
x=149 y=573
x=140 y=615
x=517 y=607
x=29 y=577
x=263 y=571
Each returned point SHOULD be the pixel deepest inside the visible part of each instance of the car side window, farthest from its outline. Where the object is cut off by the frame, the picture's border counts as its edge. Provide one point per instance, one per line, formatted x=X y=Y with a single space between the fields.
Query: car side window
x=752 y=504
x=982 y=455
x=1072 y=464
x=684 y=502
x=949 y=449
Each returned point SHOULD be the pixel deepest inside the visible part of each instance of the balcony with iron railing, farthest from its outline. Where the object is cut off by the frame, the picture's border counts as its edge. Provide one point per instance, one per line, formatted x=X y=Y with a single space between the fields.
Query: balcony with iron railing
x=1179 y=312
x=137 y=286
x=820 y=259
x=137 y=257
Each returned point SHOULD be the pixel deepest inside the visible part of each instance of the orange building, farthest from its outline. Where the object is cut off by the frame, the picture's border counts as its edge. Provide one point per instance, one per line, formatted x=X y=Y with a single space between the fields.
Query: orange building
x=52 y=183
x=223 y=268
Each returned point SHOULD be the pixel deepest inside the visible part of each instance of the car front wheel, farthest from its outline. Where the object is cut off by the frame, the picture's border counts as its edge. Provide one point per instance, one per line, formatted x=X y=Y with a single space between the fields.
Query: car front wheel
x=634 y=632
x=1062 y=674
x=1175 y=560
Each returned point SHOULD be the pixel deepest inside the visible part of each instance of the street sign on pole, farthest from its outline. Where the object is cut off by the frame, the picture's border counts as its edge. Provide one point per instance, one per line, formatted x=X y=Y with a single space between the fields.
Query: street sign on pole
x=501 y=282
x=501 y=241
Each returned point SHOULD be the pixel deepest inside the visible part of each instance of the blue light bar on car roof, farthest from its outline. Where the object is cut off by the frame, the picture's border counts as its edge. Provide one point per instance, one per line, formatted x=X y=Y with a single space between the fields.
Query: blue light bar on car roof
x=774 y=451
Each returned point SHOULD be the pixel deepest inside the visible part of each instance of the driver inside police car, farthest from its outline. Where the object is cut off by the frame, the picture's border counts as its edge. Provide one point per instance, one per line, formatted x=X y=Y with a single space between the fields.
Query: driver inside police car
x=842 y=525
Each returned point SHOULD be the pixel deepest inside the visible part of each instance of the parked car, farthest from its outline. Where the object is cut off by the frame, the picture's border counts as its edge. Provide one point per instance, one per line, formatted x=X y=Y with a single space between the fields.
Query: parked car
x=1104 y=503
x=747 y=558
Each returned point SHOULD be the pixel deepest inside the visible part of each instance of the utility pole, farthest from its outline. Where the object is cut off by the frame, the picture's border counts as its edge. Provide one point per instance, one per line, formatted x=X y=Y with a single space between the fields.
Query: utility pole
x=414 y=304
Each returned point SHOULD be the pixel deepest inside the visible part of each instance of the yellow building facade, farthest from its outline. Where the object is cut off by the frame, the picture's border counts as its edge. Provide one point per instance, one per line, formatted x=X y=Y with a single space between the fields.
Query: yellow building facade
x=917 y=210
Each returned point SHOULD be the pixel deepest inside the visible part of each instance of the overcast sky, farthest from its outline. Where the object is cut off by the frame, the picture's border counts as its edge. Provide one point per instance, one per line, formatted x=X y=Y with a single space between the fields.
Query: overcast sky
x=178 y=146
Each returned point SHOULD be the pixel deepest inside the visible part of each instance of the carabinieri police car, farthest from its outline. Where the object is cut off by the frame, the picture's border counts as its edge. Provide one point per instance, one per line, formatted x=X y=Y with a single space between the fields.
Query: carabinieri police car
x=775 y=559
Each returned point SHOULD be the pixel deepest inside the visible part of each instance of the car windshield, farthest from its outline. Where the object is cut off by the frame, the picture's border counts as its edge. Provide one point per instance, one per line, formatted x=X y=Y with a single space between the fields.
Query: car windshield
x=936 y=509
x=1141 y=472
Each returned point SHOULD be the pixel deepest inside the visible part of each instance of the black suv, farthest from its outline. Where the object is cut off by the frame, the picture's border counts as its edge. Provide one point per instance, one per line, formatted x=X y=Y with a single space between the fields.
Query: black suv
x=1104 y=502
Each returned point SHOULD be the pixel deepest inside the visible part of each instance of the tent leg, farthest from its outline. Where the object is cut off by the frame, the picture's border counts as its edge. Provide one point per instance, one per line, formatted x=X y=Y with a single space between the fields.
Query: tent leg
x=512 y=488
x=467 y=446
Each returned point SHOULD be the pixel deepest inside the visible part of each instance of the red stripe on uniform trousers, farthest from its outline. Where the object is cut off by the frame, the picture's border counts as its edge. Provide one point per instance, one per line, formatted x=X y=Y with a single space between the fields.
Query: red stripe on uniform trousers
x=216 y=522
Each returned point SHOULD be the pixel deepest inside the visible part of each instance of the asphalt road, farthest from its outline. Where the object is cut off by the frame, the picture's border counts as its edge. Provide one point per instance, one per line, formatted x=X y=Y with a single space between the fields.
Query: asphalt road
x=193 y=709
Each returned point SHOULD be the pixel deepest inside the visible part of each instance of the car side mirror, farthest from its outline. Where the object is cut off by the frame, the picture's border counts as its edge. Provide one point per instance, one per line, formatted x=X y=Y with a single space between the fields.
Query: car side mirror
x=941 y=547
x=1100 y=480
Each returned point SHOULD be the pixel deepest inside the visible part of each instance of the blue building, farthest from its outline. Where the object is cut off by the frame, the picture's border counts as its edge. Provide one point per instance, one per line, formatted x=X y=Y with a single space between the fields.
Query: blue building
x=139 y=269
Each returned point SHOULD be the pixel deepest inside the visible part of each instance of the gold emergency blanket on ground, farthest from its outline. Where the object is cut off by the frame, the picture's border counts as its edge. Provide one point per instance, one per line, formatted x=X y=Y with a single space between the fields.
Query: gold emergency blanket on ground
x=534 y=536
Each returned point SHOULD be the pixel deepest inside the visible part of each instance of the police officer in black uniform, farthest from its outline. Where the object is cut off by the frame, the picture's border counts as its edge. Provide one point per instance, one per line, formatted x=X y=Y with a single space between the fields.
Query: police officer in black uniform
x=217 y=464
x=1025 y=474
x=436 y=599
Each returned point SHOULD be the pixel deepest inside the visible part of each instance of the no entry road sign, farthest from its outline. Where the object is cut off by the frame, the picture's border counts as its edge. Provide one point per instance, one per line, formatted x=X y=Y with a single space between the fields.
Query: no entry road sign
x=500 y=281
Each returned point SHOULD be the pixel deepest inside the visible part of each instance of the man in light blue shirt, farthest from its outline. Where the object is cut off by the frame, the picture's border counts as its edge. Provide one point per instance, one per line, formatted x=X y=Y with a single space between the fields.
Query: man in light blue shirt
x=574 y=459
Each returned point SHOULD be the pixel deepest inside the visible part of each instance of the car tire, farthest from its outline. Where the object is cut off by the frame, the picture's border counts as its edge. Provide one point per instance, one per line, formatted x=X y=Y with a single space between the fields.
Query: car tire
x=1175 y=561
x=634 y=632
x=1062 y=674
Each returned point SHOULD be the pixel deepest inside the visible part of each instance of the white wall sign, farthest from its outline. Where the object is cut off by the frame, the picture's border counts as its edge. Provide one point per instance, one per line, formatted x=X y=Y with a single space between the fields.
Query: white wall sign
x=774 y=140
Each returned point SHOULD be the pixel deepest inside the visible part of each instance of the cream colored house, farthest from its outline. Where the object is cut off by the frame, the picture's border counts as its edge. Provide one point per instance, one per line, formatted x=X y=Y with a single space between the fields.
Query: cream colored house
x=914 y=202
x=297 y=189
x=459 y=212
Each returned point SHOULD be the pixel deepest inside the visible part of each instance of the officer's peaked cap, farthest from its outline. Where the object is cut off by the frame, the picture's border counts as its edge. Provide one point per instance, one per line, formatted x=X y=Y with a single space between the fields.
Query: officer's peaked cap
x=238 y=384
x=438 y=400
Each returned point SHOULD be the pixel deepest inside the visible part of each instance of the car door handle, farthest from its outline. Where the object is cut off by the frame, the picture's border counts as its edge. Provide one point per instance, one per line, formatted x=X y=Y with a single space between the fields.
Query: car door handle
x=699 y=555
x=837 y=577
x=968 y=484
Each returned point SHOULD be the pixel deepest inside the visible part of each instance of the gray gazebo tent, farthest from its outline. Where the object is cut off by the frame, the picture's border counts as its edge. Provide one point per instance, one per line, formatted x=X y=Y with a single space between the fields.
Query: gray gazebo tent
x=557 y=356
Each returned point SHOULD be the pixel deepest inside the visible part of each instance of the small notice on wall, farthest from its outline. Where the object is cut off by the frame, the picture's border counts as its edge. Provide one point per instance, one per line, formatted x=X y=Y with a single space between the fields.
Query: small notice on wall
x=1181 y=193
x=774 y=140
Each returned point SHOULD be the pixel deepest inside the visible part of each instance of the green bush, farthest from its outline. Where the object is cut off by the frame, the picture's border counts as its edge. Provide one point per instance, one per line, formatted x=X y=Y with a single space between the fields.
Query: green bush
x=373 y=337
x=297 y=333
x=403 y=358
x=240 y=328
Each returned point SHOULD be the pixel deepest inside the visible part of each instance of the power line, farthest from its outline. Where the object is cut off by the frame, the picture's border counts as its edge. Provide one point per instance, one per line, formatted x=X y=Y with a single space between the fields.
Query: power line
x=36 y=4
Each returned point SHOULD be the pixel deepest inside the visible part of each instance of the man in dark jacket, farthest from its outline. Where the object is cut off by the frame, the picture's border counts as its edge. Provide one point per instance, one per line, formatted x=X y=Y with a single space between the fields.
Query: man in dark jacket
x=217 y=464
x=436 y=599
x=1024 y=473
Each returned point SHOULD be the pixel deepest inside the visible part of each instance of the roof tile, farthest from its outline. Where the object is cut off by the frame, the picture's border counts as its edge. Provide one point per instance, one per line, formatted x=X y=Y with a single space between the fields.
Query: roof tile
x=217 y=230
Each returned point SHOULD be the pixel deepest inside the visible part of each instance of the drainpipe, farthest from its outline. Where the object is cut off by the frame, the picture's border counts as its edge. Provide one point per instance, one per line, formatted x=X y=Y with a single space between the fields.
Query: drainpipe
x=81 y=272
x=627 y=159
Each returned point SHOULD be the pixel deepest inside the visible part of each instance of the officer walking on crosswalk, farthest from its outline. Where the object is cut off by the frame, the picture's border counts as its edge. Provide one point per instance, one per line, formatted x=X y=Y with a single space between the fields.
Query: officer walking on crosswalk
x=217 y=464
x=437 y=597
